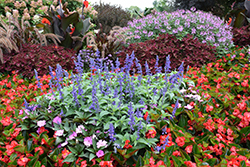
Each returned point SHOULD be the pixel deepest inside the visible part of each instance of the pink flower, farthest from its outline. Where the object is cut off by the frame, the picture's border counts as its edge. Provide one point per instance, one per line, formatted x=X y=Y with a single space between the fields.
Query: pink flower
x=57 y=120
x=101 y=143
x=100 y=153
x=87 y=141
x=73 y=135
x=189 y=149
x=41 y=123
x=59 y=133
x=209 y=108
x=79 y=129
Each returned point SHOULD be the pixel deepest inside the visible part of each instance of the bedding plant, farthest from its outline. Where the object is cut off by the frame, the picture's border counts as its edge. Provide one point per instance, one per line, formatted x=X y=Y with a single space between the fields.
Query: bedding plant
x=209 y=127
x=204 y=26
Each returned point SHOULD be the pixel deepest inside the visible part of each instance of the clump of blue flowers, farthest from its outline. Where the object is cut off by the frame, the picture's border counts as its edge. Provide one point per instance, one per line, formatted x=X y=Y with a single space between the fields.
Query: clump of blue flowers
x=106 y=105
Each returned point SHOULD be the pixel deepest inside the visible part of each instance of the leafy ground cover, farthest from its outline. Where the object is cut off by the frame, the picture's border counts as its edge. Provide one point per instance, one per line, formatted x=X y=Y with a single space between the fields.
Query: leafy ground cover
x=210 y=126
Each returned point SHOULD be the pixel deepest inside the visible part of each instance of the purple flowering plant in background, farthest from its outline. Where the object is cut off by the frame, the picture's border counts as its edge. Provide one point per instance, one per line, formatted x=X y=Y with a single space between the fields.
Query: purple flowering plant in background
x=207 y=28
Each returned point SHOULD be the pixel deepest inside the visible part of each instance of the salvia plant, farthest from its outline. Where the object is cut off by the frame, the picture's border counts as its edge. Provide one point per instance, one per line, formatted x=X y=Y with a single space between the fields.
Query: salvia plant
x=207 y=28
x=99 y=113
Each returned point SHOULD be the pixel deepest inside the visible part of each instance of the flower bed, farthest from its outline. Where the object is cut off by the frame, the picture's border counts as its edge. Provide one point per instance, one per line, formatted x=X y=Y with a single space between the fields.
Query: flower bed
x=208 y=126
x=117 y=116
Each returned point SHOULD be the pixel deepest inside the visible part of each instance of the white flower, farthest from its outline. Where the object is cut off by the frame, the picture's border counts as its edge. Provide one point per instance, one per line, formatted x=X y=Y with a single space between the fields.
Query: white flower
x=8 y=14
x=64 y=144
x=79 y=129
x=96 y=31
x=36 y=18
x=183 y=90
x=197 y=97
x=59 y=133
x=94 y=136
x=101 y=143
x=188 y=107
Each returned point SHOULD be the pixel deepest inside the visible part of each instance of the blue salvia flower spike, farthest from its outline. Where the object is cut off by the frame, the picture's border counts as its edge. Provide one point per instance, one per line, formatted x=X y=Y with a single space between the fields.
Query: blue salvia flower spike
x=157 y=69
x=26 y=104
x=38 y=80
x=181 y=68
x=111 y=132
x=148 y=72
x=51 y=72
x=140 y=126
x=175 y=108
x=117 y=63
x=167 y=64
x=131 y=116
x=138 y=66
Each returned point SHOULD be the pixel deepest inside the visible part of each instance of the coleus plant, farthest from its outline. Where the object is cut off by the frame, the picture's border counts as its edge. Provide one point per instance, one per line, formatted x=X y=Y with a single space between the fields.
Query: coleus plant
x=70 y=27
x=239 y=17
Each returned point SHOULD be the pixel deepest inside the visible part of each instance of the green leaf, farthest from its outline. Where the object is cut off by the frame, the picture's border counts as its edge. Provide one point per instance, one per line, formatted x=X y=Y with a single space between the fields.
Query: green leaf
x=73 y=150
x=13 y=156
x=196 y=149
x=29 y=145
x=143 y=141
x=66 y=21
x=139 y=162
x=147 y=155
x=40 y=25
x=245 y=130
x=183 y=121
x=59 y=140
x=20 y=149
x=243 y=164
x=170 y=150
x=176 y=160
x=107 y=156
x=70 y=158
x=211 y=161
x=32 y=161
x=91 y=156
x=86 y=25
x=166 y=160
x=103 y=113
x=44 y=161
x=38 y=164
x=67 y=43
x=185 y=155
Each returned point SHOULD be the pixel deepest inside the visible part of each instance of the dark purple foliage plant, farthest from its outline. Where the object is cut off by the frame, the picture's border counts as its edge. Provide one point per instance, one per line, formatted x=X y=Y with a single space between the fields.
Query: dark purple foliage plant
x=188 y=50
x=33 y=56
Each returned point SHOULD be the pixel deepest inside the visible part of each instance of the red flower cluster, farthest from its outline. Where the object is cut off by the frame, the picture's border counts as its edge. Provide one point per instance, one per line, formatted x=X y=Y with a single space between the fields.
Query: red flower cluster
x=65 y=153
x=127 y=145
x=106 y=164
x=151 y=133
x=180 y=141
x=86 y=3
